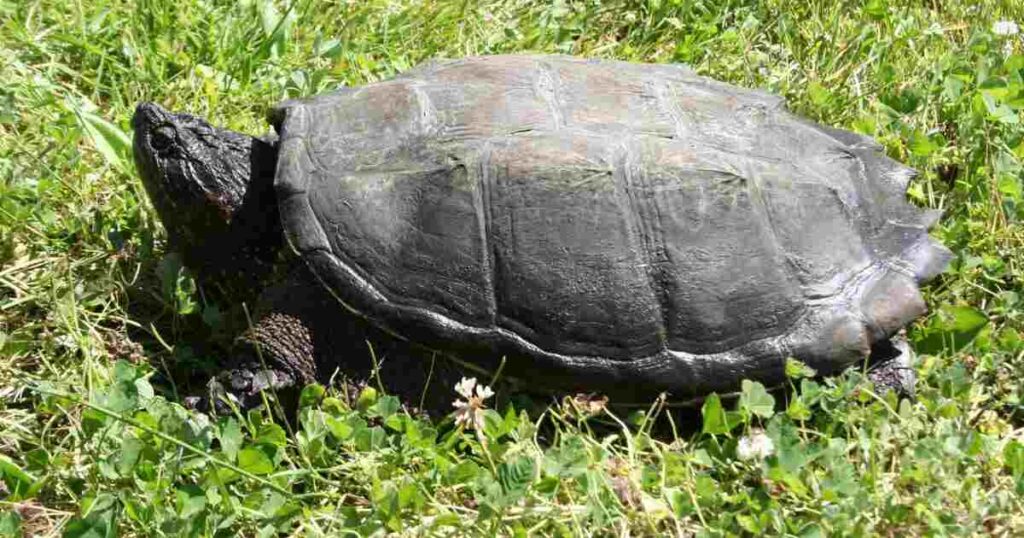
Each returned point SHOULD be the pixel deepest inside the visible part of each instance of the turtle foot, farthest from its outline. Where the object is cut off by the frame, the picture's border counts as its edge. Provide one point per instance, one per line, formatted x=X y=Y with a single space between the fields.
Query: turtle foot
x=891 y=367
x=242 y=389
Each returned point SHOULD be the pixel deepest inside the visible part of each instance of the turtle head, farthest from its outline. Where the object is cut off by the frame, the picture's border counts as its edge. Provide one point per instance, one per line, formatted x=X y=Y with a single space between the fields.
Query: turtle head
x=211 y=187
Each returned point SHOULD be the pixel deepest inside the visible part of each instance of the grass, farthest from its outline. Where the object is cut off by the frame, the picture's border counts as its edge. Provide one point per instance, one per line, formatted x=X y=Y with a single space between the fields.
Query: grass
x=93 y=309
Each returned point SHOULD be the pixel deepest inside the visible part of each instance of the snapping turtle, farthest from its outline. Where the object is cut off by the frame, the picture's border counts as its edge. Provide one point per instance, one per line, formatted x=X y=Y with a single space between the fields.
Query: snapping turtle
x=606 y=226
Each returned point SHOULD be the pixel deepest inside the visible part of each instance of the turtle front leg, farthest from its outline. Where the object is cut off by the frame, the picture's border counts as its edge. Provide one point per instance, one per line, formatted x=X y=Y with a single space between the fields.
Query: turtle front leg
x=277 y=353
x=303 y=335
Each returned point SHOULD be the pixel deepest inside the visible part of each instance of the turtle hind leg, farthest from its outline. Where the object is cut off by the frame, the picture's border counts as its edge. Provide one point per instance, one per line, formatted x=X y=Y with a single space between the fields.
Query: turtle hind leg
x=890 y=367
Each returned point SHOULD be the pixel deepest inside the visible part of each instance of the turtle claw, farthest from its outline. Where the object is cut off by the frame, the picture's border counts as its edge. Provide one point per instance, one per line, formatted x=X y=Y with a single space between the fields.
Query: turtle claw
x=216 y=399
x=238 y=389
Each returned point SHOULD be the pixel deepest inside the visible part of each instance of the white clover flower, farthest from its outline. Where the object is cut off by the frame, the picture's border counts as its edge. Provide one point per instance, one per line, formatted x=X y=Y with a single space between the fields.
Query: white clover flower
x=1005 y=28
x=469 y=413
x=757 y=446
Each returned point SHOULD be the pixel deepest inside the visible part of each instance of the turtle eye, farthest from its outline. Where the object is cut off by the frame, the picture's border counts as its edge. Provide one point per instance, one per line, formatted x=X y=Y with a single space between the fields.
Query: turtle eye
x=162 y=137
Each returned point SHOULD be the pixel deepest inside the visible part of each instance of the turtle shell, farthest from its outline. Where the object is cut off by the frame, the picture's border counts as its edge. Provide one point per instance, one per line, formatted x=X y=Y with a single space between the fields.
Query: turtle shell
x=602 y=224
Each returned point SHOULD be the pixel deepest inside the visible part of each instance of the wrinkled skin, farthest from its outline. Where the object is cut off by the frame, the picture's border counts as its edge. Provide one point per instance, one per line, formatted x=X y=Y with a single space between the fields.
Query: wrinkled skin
x=214 y=192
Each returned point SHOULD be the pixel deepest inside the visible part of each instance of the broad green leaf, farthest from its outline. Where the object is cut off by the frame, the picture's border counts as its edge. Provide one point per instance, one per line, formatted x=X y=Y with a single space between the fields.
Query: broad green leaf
x=462 y=473
x=755 y=400
x=952 y=328
x=367 y=397
x=419 y=434
x=311 y=395
x=396 y=422
x=516 y=476
x=38 y=459
x=122 y=397
x=680 y=501
x=19 y=483
x=716 y=419
x=819 y=95
x=385 y=502
x=921 y=144
x=706 y=487
x=996 y=111
x=189 y=501
x=340 y=429
x=568 y=460
x=791 y=453
x=272 y=434
x=798 y=409
x=330 y=48
x=494 y=424
x=995 y=88
x=10 y=524
x=270 y=17
x=94 y=526
x=124 y=371
x=702 y=458
x=1010 y=187
x=796 y=369
x=409 y=495
x=108 y=139
x=1014 y=62
x=791 y=480
x=368 y=439
x=547 y=485
x=384 y=407
x=812 y=530
x=952 y=88
x=333 y=406
x=272 y=504
x=97 y=520
x=255 y=460
x=1013 y=456
x=276 y=27
x=751 y=524
x=841 y=479
x=93 y=420
x=446 y=519
x=143 y=389
x=230 y=437
x=131 y=449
